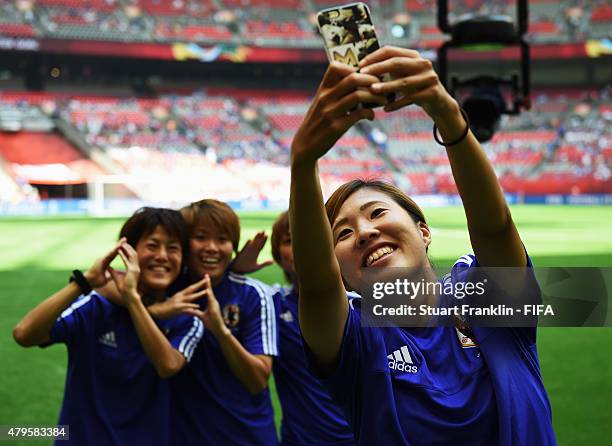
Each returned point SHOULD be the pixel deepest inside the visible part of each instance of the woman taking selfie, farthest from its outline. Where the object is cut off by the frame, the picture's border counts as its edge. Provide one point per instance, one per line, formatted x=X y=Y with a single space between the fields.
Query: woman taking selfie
x=491 y=393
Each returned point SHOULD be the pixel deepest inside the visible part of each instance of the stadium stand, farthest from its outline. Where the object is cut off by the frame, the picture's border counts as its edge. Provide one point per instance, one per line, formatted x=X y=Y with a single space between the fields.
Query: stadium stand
x=199 y=141
x=277 y=22
x=44 y=159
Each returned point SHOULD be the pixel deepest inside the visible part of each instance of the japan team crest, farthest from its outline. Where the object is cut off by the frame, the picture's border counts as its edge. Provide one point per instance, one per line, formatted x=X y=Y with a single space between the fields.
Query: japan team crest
x=465 y=341
x=231 y=315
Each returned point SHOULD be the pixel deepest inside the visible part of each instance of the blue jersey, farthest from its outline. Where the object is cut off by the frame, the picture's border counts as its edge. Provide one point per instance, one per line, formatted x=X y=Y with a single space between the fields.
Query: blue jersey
x=412 y=386
x=310 y=417
x=210 y=404
x=113 y=394
x=524 y=412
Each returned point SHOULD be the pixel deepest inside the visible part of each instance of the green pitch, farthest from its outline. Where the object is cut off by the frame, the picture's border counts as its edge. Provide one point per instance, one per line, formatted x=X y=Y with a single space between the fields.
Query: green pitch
x=37 y=255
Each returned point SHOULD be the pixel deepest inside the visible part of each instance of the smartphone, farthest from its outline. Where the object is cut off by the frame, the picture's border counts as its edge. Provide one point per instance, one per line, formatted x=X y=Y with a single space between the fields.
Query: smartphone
x=349 y=35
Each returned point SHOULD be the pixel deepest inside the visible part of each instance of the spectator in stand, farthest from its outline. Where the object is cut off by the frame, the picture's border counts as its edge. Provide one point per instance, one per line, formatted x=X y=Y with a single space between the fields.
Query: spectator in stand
x=574 y=21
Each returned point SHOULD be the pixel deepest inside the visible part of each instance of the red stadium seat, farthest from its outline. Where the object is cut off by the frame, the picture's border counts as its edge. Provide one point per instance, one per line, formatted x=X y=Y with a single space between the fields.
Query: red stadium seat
x=257 y=29
x=278 y=4
x=543 y=28
x=17 y=29
x=36 y=148
x=98 y=5
x=419 y=5
x=602 y=13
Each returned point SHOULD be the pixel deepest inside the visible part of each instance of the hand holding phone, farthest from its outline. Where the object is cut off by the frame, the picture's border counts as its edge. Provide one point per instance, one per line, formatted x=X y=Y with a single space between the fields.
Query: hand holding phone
x=414 y=81
x=349 y=36
x=333 y=111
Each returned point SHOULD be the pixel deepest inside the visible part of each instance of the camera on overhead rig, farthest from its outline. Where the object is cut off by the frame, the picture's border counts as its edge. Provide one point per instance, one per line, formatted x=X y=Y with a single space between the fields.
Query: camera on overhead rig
x=482 y=95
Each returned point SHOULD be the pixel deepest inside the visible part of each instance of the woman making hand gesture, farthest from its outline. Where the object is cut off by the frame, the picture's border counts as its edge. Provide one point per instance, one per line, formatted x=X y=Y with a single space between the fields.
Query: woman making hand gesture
x=118 y=353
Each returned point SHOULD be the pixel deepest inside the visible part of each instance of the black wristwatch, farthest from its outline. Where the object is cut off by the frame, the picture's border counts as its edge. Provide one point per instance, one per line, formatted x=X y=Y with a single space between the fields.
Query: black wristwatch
x=78 y=277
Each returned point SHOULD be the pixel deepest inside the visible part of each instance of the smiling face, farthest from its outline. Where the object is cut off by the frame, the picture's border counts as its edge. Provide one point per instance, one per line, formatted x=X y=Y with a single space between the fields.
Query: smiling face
x=373 y=230
x=211 y=253
x=159 y=257
x=214 y=231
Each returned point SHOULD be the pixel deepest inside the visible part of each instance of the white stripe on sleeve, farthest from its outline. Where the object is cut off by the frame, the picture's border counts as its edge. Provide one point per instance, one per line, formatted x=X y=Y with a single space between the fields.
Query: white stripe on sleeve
x=268 y=317
x=195 y=339
x=267 y=312
x=189 y=338
x=466 y=259
x=75 y=306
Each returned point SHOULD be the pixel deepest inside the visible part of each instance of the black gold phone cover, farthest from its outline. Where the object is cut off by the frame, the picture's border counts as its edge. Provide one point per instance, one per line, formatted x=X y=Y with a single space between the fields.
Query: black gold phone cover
x=348 y=33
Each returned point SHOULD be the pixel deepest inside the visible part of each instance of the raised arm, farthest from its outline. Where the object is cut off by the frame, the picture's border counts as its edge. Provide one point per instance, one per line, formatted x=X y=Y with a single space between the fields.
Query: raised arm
x=165 y=358
x=494 y=237
x=35 y=327
x=323 y=307
x=253 y=371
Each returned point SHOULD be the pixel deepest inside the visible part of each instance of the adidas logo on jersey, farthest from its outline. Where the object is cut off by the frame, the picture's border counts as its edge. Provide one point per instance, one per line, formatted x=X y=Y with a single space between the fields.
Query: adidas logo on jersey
x=401 y=361
x=108 y=339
